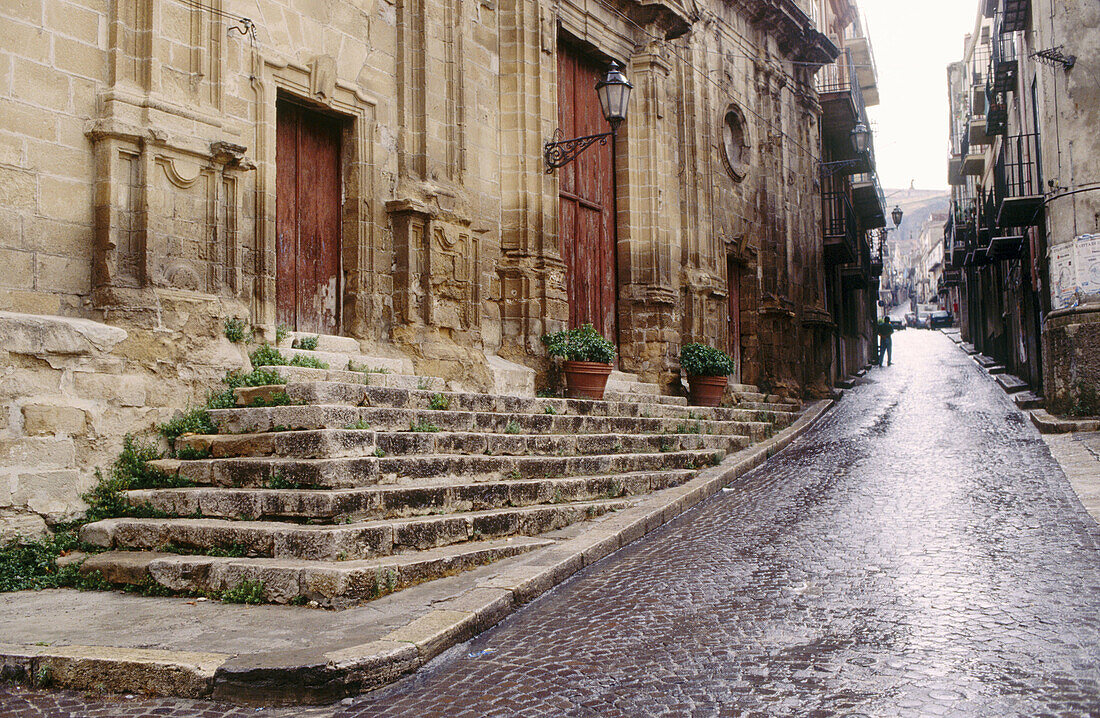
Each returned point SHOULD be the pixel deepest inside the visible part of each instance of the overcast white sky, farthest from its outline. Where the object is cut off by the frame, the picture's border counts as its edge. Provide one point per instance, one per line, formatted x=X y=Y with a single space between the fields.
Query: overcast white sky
x=913 y=43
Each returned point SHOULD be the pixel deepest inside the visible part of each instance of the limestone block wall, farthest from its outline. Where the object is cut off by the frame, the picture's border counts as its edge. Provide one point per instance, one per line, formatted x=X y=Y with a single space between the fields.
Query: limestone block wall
x=1069 y=110
x=71 y=389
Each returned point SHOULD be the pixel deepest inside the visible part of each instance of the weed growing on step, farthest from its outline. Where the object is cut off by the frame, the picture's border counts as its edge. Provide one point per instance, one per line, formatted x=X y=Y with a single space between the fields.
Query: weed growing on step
x=280 y=427
x=342 y=556
x=360 y=425
x=130 y=470
x=558 y=497
x=281 y=332
x=667 y=446
x=439 y=402
x=250 y=592
x=279 y=398
x=267 y=355
x=299 y=600
x=256 y=377
x=645 y=414
x=308 y=343
x=192 y=453
x=378 y=452
x=27 y=565
x=236 y=331
x=549 y=410
x=514 y=475
x=364 y=369
x=192 y=421
x=275 y=480
x=513 y=427
x=424 y=383
x=423 y=426
x=761 y=416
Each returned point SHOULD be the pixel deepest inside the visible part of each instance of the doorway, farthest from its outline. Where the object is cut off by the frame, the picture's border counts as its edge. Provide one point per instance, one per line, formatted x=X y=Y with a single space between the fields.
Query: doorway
x=733 y=322
x=586 y=199
x=308 y=218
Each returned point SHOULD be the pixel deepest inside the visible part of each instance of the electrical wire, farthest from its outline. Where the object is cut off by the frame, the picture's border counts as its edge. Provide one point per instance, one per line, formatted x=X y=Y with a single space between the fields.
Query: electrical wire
x=245 y=26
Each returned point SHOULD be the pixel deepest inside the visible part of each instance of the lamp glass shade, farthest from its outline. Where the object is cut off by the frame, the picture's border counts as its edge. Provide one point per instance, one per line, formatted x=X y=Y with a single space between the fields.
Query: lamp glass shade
x=613 y=92
x=896 y=215
x=861 y=138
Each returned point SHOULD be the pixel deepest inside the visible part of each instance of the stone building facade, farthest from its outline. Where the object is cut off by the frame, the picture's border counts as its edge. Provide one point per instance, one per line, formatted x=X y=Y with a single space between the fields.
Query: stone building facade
x=1024 y=172
x=374 y=169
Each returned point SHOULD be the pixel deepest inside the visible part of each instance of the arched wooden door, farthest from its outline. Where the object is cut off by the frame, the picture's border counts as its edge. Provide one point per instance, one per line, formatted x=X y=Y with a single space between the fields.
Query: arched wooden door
x=586 y=205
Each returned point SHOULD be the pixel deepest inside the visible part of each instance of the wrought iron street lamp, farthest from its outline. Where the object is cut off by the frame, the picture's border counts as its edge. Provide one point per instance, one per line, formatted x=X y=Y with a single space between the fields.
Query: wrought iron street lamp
x=613 y=92
x=861 y=143
x=896 y=215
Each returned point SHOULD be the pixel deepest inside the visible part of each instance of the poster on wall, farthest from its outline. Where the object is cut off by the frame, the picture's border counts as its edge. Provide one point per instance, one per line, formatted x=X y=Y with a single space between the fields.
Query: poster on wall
x=1063 y=281
x=1087 y=262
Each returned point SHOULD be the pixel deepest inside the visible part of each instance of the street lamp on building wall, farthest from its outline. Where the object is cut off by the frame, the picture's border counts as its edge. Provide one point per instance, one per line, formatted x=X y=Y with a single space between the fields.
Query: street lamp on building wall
x=861 y=143
x=613 y=92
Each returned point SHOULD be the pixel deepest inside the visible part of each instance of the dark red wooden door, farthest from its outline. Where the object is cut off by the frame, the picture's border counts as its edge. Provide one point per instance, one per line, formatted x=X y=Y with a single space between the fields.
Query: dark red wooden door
x=733 y=274
x=586 y=207
x=307 y=225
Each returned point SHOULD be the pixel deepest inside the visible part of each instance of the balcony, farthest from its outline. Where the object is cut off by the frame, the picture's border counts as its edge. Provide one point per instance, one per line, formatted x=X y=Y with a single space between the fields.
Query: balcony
x=952 y=278
x=1006 y=247
x=853 y=278
x=973 y=164
x=867 y=200
x=1003 y=64
x=996 y=113
x=864 y=60
x=1016 y=13
x=979 y=68
x=841 y=231
x=1018 y=184
x=978 y=130
x=842 y=106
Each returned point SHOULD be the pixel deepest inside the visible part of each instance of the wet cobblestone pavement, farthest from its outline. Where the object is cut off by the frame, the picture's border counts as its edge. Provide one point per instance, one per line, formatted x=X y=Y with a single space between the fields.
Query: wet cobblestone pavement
x=917 y=553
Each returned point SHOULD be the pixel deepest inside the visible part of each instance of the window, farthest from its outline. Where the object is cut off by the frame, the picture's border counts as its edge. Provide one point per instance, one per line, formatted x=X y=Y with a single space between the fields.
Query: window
x=735 y=144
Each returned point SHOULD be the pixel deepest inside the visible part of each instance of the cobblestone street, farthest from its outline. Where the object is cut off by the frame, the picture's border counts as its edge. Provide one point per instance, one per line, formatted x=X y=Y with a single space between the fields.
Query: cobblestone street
x=917 y=553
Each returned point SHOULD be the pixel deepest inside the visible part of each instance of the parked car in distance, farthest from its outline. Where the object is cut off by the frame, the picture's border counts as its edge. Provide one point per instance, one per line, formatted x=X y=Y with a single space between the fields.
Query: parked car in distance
x=897 y=324
x=916 y=321
x=941 y=318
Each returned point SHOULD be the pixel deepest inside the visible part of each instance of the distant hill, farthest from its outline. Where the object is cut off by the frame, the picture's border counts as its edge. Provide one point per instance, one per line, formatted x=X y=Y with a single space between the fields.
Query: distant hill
x=918 y=205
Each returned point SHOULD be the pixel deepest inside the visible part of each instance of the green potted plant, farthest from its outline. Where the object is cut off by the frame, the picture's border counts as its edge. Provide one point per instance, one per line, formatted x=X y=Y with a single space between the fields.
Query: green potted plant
x=708 y=371
x=587 y=357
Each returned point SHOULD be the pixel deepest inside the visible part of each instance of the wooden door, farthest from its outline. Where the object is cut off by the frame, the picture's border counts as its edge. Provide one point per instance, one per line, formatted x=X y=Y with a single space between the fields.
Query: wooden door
x=586 y=206
x=307 y=226
x=733 y=274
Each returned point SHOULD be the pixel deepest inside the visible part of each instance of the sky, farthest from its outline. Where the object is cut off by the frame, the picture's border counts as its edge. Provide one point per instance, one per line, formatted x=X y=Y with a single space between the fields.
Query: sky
x=913 y=43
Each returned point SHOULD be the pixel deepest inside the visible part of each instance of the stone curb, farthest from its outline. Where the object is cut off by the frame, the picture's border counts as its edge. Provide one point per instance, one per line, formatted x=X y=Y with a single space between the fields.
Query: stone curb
x=314 y=675
x=1047 y=423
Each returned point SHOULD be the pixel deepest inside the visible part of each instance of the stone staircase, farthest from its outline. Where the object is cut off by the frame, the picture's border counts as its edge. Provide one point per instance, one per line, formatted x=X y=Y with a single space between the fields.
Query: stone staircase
x=372 y=481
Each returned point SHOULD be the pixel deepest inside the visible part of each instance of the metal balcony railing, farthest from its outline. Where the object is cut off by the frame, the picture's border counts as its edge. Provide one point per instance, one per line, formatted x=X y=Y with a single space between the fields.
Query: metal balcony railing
x=1003 y=63
x=979 y=65
x=996 y=112
x=1018 y=181
x=840 y=227
x=1016 y=13
x=841 y=78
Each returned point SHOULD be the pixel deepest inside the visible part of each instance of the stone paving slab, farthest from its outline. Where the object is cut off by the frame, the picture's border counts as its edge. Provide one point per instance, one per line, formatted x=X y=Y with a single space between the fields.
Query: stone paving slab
x=1047 y=423
x=286 y=654
x=1079 y=456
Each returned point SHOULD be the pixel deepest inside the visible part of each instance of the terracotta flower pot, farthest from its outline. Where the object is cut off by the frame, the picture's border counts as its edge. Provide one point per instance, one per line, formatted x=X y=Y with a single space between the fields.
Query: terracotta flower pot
x=585 y=379
x=707 y=390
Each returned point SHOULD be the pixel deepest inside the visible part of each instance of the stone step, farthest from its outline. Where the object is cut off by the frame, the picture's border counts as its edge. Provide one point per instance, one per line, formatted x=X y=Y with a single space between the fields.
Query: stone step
x=985 y=361
x=370 y=377
x=335 y=443
x=619 y=396
x=331 y=584
x=968 y=348
x=1011 y=384
x=742 y=422
x=362 y=540
x=340 y=473
x=1027 y=400
x=340 y=361
x=360 y=395
x=623 y=383
x=770 y=407
x=325 y=342
x=387 y=502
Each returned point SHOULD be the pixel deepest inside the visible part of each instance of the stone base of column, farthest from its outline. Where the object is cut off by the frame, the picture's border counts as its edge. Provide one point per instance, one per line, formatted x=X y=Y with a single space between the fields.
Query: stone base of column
x=1071 y=360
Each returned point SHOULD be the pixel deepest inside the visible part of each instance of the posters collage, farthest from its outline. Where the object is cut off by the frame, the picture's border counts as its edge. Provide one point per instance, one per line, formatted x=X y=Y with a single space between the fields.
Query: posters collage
x=1074 y=270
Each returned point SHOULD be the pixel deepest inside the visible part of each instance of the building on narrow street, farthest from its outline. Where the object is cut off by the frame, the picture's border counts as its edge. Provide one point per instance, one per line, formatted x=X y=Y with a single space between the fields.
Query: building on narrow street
x=377 y=171
x=1024 y=171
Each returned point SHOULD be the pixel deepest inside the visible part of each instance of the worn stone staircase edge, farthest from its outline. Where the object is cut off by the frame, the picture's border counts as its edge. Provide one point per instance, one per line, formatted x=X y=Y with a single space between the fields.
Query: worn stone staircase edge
x=305 y=676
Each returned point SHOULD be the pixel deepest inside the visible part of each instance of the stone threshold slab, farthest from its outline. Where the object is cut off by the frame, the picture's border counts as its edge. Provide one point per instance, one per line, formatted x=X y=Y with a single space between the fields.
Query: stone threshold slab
x=1047 y=423
x=319 y=667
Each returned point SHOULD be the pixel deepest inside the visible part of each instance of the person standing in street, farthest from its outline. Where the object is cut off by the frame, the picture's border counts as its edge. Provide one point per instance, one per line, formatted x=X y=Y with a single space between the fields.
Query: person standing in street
x=885 y=332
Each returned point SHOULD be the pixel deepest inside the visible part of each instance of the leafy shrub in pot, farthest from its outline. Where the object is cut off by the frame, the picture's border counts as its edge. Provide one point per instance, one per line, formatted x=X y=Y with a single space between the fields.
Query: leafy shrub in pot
x=707 y=370
x=587 y=356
